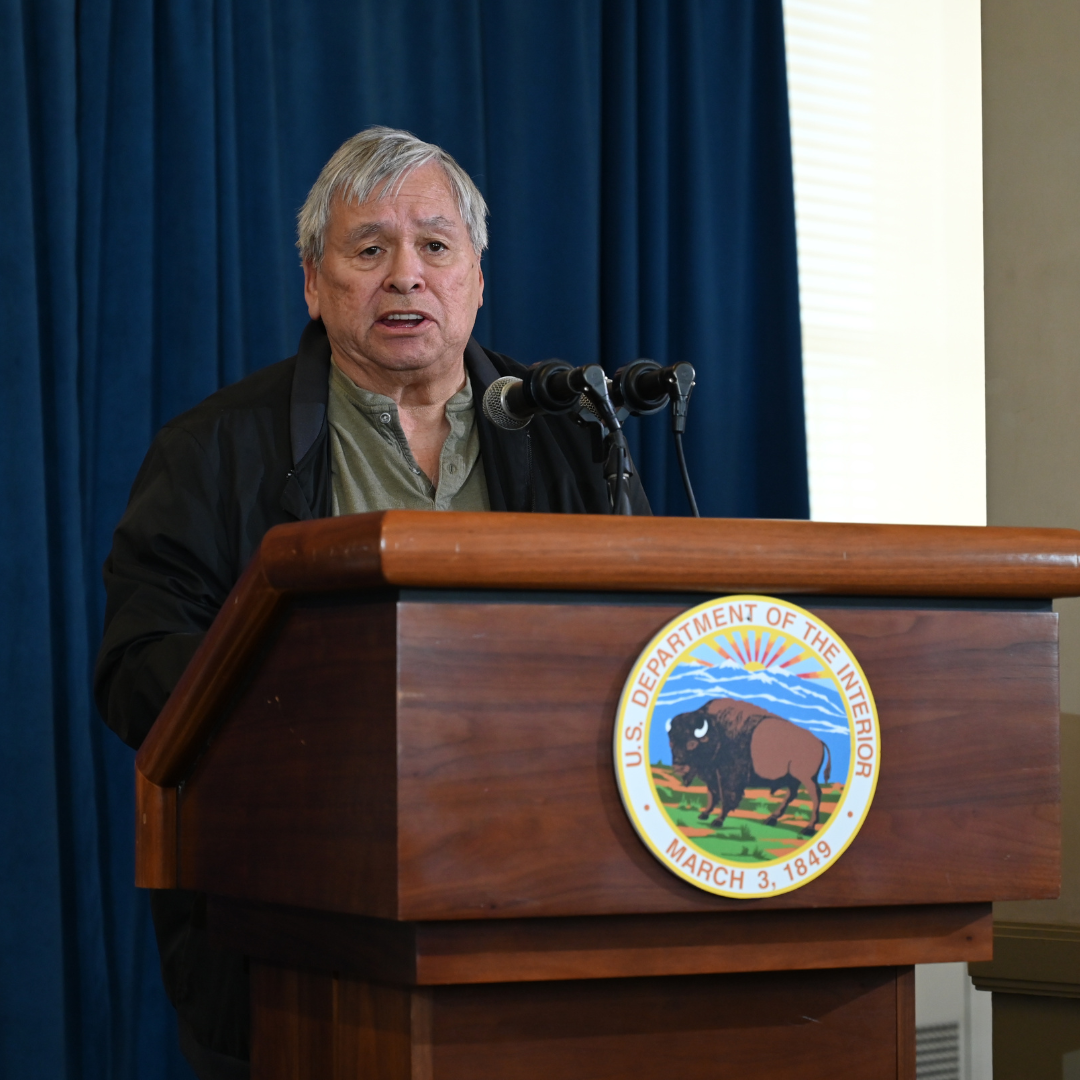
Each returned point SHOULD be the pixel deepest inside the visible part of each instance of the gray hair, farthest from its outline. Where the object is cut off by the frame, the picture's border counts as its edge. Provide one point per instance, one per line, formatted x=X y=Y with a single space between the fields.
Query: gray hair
x=380 y=158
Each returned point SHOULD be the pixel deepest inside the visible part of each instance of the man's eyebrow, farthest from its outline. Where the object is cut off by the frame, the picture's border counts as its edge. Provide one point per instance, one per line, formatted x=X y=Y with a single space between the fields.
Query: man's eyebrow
x=437 y=222
x=374 y=228
x=364 y=232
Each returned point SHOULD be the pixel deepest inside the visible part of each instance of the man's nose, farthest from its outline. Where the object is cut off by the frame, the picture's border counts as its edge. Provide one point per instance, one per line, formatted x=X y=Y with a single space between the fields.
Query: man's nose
x=406 y=271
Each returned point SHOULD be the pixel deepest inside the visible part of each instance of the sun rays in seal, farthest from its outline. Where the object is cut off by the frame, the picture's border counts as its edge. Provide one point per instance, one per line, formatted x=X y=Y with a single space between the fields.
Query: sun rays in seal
x=760 y=650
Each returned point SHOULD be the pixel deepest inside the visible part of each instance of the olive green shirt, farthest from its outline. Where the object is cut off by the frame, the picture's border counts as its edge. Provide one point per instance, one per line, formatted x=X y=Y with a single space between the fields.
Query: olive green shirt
x=372 y=467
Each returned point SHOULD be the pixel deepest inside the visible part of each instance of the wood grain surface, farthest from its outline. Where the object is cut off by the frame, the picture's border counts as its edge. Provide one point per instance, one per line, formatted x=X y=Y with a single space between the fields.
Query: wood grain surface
x=579 y=551
x=811 y=1025
x=515 y=810
x=563 y=551
x=295 y=794
x=905 y=1023
x=205 y=688
x=544 y=950
x=155 y=835
x=307 y=1026
x=445 y=761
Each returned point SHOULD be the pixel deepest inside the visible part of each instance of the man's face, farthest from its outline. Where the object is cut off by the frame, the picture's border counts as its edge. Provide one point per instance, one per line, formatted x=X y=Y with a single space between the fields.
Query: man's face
x=388 y=261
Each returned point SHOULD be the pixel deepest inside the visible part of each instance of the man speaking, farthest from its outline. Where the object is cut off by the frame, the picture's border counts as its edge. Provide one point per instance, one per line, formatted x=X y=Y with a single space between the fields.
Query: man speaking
x=376 y=411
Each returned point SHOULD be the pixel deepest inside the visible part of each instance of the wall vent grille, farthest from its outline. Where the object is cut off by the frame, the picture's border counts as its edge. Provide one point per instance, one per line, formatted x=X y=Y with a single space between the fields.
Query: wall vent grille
x=937 y=1052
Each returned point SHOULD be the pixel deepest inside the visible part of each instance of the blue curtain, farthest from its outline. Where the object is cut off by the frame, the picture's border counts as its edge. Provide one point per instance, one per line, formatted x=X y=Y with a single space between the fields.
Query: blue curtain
x=636 y=157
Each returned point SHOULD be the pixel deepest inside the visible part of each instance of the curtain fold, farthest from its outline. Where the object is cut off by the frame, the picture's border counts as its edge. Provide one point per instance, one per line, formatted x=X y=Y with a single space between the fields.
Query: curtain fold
x=636 y=158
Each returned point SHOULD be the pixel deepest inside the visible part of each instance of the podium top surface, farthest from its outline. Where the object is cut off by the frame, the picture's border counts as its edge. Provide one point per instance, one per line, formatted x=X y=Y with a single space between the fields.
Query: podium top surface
x=563 y=552
x=421 y=549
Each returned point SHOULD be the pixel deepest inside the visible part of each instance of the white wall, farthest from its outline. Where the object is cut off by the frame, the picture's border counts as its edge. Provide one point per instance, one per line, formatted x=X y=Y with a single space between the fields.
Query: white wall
x=885 y=119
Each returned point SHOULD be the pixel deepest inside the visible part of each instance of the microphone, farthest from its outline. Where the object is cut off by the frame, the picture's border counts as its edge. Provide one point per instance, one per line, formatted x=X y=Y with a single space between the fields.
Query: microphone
x=552 y=386
x=503 y=404
x=644 y=387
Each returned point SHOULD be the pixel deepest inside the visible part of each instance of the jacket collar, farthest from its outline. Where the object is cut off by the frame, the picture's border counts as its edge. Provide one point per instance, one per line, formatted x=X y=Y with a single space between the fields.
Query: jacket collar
x=507 y=455
x=310 y=390
x=481 y=371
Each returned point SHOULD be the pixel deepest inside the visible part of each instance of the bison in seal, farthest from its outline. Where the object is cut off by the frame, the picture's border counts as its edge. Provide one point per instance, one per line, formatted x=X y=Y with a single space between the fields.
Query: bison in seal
x=733 y=745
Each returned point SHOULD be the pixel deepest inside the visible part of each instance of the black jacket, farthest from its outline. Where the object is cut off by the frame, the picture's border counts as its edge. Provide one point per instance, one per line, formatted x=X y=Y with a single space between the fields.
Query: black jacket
x=249 y=457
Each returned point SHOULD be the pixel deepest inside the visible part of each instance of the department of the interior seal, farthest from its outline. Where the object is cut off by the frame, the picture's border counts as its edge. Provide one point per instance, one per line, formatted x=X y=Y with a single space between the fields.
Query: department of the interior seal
x=747 y=746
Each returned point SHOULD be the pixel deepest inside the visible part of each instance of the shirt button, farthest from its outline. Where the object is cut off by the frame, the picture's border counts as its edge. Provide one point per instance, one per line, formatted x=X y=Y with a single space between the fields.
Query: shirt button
x=452 y=468
x=416 y=470
x=385 y=418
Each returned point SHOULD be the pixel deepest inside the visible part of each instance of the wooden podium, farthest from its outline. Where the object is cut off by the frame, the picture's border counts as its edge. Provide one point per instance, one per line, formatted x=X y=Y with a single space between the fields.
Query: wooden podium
x=390 y=767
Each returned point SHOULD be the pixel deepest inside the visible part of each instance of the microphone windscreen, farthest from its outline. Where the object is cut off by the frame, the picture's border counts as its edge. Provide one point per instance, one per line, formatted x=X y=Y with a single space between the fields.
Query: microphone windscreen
x=495 y=408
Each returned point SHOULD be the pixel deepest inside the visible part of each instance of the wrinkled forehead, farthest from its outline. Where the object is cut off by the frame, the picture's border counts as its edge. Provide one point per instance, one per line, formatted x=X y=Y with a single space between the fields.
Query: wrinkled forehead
x=422 y=198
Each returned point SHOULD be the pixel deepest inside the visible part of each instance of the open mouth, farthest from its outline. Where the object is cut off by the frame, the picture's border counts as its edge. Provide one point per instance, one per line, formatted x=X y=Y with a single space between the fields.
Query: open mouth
x=402 y=320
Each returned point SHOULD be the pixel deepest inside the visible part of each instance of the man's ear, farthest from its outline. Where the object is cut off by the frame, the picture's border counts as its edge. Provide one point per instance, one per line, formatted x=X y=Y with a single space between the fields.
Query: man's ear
x=311 y=288
x=480 y=271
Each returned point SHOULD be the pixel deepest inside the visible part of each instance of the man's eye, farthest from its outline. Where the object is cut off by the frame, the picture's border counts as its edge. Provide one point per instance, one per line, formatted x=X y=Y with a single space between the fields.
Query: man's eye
x=436 y=246
x=370 y=252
